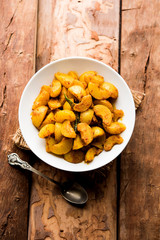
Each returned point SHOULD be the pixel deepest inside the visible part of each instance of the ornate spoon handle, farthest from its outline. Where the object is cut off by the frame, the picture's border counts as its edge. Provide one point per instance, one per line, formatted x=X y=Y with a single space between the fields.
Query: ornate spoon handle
x=14 y=160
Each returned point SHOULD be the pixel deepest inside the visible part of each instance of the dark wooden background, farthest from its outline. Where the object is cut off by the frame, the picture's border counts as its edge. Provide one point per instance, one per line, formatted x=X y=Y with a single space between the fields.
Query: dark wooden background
x=124 y=203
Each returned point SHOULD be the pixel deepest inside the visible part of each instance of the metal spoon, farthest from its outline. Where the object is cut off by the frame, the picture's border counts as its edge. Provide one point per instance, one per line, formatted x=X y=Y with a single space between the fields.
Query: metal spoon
x=71 y=191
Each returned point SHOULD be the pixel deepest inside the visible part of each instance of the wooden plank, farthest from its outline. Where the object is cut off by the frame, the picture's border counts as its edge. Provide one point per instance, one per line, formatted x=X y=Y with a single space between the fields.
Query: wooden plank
x=78 y=29
x=140 y=178
x=82 y=28
x=16 y=67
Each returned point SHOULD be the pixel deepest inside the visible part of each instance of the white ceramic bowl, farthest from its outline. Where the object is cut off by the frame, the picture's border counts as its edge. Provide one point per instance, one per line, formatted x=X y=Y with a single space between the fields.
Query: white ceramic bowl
x=44 y=77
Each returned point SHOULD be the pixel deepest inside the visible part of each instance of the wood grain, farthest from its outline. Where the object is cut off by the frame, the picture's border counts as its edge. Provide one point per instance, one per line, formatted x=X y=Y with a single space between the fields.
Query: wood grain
x=140 y=178
x=78 y=28
x=81 y=28
x=16 y=67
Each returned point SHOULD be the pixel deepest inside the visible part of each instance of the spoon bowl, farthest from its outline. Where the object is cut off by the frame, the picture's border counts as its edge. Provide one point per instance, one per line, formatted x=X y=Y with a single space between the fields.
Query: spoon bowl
x=71 y=191
x=74 y=193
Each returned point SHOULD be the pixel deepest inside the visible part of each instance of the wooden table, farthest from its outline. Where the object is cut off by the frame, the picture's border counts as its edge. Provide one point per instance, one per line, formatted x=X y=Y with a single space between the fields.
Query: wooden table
x=124 y=203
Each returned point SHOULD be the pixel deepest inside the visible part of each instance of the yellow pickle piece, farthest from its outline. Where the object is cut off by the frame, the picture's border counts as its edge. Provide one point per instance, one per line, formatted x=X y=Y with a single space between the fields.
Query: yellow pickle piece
x=74 y=156
x=63 y=115
x=78 y=143
x=77 y=91
x=62 y=98
x=63 y=147
x=55 y=88
x=50 y=141
x=73 y=74
x=104 y=113
x=85 y=77
x=115 y=128
x=99 y=142
x=111 y=141
x=84 y=104
x=81 y=84
x=97 y=132
x=96 y=79
x=111 y=88
x=57 y=132
x=41 y=100
x=46 y=131
x=91 y=153
x=97 y=91
x=38 y=115
x=67 y=106
x=54 y=104
x=105 y=103
x=65 y=79
x=49 y=119
x=67 y=130
x=87 y=116
x=85 y=132
x=117 y=114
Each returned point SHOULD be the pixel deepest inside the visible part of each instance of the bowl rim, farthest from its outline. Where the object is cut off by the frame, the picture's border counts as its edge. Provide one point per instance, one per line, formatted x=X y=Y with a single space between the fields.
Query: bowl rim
x=80 y=58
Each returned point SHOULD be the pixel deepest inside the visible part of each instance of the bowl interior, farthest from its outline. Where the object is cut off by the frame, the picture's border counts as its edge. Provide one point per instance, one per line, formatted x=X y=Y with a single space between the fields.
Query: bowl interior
x=44 y=77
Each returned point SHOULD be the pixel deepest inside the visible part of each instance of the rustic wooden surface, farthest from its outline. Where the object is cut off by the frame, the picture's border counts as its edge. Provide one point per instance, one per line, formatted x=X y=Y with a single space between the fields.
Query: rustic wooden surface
x=123 y=202
x=140 y=162
x=16 y=67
